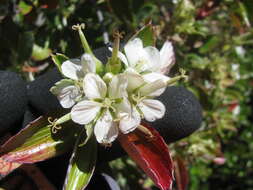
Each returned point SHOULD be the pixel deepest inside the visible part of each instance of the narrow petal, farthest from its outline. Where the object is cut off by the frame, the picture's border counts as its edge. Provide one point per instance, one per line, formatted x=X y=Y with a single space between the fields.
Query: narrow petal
x=94 y=86
x=88 y=63
x=122 y=57
x=167 y=57
x=85 y=111
x=134 y=51
x=153 y=58
x=72 y=69
x=135 y=80
x=129 y=121
x=106 y=130
x=117 y=86
x=152 y=109
x=155 y=88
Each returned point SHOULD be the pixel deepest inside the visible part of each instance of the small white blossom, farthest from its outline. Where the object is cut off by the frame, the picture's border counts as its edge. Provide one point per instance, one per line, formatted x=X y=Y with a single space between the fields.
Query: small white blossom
x=105 y=103
x=148 y=58
x=143 y=94
x=66 y=90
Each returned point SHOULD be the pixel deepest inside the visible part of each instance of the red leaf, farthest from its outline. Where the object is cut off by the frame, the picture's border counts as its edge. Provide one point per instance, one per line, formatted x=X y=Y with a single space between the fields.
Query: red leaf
x=36 y=143
x=181 y=174
x=151 y=153
x=7 y=167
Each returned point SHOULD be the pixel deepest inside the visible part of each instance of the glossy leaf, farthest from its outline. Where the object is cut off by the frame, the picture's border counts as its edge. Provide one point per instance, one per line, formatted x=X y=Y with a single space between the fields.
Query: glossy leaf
x=40 y=53
x=7 y=167
x=146 y=34
x=82 y=165
x=181 y=174
x=36 y=142
x=148 y=149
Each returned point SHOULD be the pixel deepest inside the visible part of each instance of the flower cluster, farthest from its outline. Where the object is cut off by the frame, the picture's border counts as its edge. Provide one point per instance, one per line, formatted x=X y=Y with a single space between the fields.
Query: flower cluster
x=115 y=97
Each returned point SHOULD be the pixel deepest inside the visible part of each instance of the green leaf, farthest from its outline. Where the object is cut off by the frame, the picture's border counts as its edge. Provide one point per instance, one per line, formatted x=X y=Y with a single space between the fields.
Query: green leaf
x=24 y=8
x=146 y=34
x=40 y=53
x=36 y=142
x=210 y=45
x=82 y=165
x=58 y=59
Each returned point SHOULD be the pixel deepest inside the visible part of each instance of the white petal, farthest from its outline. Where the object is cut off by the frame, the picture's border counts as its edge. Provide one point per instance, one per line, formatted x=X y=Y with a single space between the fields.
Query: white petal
x=88 y=63
x=128 y=116
x=135 y=80
x=85 y=111
x=153 y=58
x=66 y=92
x=155 y=88
x=134 y=51
x=68 y=95
x=167 y=56
x=129 y=121
x=72 y=69
x=106 y=130
x=94 y=86
x=152 y=109
x=121 y=56
x=117 y=86
x=152 y=77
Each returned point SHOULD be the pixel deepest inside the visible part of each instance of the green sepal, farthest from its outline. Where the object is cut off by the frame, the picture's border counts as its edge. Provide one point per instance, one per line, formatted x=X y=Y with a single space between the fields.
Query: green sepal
x=113 y=65
x=58 y=59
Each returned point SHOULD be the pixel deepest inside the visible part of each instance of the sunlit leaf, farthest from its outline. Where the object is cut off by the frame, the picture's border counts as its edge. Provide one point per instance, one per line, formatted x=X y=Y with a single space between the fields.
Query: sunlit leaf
x=82 y=165
x=150 y=152
x=36 y=142
x=24 y=8
x=40 y=53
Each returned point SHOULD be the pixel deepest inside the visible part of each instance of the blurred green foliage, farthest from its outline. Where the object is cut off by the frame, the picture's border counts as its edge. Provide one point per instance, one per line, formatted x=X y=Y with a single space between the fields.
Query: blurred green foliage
x=213 y=40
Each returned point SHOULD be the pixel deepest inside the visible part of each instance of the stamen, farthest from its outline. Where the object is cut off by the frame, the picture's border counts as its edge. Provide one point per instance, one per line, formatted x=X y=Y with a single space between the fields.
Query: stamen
x=55 y=127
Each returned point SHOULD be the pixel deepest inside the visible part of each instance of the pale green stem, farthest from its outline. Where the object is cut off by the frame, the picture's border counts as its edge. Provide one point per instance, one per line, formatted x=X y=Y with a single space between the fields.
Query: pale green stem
x=177 y=78
x=86 y=47
x=63 y=119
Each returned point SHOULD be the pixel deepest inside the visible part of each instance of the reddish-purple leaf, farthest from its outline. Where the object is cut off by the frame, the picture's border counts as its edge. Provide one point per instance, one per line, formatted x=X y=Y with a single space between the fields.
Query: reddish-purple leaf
x=7 y=167
x=181 y=174
x=35 y=143
x=150 y=152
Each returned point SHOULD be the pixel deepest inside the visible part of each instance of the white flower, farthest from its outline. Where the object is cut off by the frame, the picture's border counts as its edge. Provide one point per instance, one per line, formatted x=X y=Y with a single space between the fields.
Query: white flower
x=143 y=94
x=67 y=92
x=77 y=68
x=148 y=61
x=148 y=58
x=101 y=103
